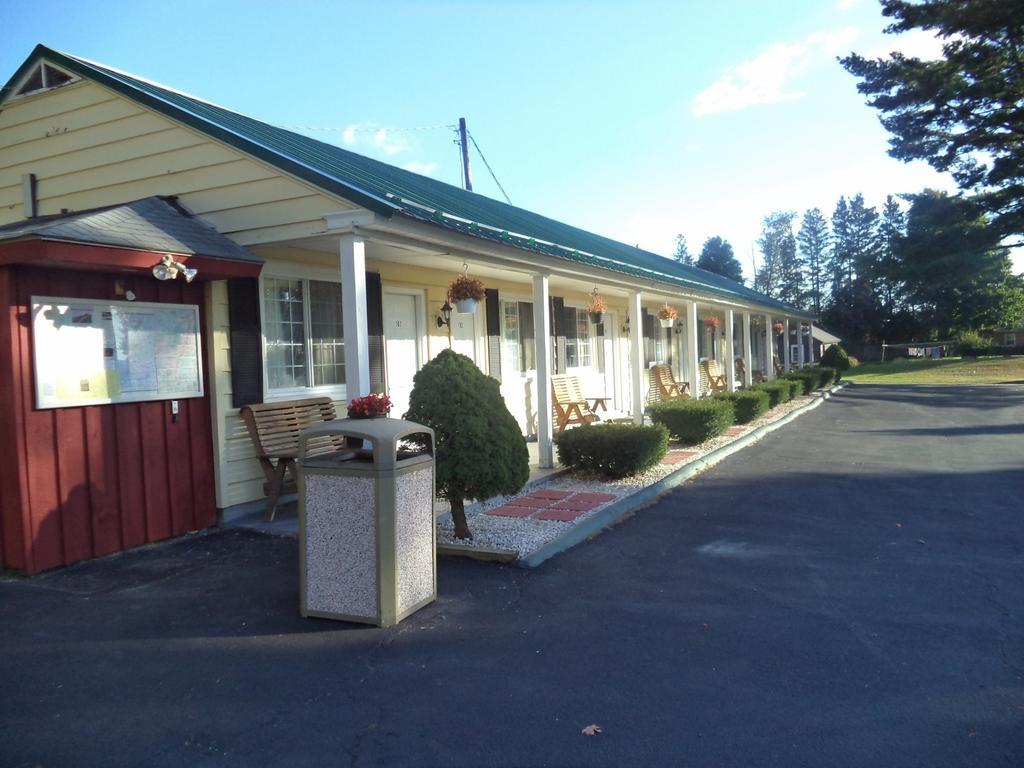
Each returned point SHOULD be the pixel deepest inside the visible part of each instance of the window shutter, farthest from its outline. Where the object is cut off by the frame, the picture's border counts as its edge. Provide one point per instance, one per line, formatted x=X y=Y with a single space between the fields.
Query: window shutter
x=246 y=341
x=559 y=330
x=648 y=331
x=527 y=335
x=375 y=330
x=493 y=334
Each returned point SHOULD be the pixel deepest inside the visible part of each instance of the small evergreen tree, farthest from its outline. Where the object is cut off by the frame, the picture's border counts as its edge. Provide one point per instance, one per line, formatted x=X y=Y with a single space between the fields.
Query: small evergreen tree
x=779 y=276
x=717 y=256
x=682 y=254
x=480 y=451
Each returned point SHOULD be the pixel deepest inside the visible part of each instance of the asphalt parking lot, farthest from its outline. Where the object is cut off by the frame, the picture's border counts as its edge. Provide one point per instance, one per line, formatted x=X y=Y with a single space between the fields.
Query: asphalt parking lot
x=847 y=592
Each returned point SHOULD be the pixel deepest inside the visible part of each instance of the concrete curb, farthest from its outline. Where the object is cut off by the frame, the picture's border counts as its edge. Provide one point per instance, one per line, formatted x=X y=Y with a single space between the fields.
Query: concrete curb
x=621 y=509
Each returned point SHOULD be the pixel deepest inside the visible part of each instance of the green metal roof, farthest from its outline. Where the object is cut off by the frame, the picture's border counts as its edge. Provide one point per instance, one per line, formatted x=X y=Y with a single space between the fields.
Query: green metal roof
x=388 y=190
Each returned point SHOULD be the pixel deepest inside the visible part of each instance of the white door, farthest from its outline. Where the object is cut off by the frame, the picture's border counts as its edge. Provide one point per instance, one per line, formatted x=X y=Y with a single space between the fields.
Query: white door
x=401 y=348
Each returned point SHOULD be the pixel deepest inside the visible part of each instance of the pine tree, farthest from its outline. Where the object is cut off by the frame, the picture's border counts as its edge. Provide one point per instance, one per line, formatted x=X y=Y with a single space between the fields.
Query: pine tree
x=717 y=256
x=840 y=264
x=891 y=228
x=862 y=236
x=682 y=254
x=813 y=239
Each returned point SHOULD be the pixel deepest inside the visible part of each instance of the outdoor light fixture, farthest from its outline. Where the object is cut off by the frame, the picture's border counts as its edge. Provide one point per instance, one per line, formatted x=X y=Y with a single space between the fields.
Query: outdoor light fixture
x=446 y=316
x=168 y=269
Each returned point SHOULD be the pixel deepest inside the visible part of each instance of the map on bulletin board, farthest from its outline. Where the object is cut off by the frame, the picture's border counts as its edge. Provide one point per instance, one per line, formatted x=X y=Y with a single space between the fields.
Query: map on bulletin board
x=94 y=352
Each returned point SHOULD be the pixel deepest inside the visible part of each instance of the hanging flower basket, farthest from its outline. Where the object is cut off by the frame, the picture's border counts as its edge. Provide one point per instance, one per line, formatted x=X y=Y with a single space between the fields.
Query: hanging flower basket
x=596 y=307
x=778 y=327
x=667 y=314
x=374 y=406
x=465 y=292
x=712 y=321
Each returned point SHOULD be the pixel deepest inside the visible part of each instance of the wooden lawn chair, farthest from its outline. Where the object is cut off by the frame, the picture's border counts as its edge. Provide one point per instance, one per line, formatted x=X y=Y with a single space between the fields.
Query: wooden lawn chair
x=568 y=404
x=664 y=385
x=780 y=369
x=715 y=376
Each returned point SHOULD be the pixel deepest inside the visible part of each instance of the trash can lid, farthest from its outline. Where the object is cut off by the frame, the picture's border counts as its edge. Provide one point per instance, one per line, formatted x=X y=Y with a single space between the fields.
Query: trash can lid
x=384 y=434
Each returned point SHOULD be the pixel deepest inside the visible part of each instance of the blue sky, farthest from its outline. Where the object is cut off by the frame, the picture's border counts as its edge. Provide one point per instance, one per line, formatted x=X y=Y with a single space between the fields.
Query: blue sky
x=636 y=120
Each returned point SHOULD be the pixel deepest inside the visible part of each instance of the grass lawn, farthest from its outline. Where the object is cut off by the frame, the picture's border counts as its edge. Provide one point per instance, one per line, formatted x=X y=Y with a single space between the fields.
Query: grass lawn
x=951 y=370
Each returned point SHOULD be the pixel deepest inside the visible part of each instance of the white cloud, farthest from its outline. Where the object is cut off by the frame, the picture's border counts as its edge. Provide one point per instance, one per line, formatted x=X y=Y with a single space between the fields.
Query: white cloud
x=370 y=135
x=766 y=78
x=846 y=5
x=424 y=169
x=917 y=44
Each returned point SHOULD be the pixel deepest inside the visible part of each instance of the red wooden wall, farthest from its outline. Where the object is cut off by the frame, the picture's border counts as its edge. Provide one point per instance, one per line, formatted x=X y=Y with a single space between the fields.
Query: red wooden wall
x=82 y=482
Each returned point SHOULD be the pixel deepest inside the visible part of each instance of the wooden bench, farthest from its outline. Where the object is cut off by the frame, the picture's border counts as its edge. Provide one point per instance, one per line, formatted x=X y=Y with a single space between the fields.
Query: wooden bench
x=664 y=385
x=274 y=429
x=716 y=381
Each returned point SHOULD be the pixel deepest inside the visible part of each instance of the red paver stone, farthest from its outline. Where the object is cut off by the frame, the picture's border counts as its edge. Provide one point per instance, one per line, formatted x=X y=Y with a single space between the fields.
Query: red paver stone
x=733 y=431
x=678 y=457
x=598 y=497
x=509 y=511
x=527 y=501
x=580 y=505
x=561 y=515
x=553 y=495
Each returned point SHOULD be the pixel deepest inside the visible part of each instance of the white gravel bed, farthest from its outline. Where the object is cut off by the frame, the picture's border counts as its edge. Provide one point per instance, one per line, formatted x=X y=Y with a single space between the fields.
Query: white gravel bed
x=524 y=535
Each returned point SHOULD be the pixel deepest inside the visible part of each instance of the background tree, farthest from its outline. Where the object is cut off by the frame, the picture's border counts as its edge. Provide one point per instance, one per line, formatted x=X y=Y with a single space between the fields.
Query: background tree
x=778 y=250
x=480 y=451
x=813 y=240
x=960 y=113
x=682 y=253
x=957 y=275
x=862 y=241
x=891 y=228
x=841 y=261
x=717 y=256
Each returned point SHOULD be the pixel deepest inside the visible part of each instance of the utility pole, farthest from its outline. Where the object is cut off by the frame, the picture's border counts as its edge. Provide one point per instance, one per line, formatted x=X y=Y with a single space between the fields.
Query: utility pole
x=463 y=143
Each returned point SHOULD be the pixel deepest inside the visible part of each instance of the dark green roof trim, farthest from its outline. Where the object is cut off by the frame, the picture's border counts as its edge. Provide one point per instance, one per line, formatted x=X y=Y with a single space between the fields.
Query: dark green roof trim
x=386 y=190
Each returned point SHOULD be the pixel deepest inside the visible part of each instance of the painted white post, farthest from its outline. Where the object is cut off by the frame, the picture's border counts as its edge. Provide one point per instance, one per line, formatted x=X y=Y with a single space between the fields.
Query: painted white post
x=693 y=360
x=769 y=352
x=810 y=342
x=730 y=352
x=800 y=343
x=636 y=355
x=353 y=312
x=748 y=356
x=542 y=357
x=786 y=346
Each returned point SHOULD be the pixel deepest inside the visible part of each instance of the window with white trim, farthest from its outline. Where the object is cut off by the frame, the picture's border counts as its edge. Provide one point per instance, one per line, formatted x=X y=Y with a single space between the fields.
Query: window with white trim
x=1010 y=340
x=578 y=339
x=302 y=327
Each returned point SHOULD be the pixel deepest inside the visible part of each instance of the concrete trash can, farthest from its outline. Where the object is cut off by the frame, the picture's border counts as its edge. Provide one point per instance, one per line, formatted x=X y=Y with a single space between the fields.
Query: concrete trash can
x=367 y=541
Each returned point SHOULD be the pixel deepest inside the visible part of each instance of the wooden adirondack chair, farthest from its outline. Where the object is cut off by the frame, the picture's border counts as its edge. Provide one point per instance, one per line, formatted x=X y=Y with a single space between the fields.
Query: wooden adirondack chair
x=779 y=367
x=568 y=404
x=664 y=385
x=715 y=375
x=741 y=373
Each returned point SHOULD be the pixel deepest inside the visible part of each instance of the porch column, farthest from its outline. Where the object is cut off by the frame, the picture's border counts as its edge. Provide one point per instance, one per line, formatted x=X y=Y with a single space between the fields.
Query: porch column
x=786 y=346
x=636 y=355
x=730 y=350
x=800 y=343
x=693 y=359
x=769 y=351
x=353 y=313
x=810 y=342
x=542 y=357
x=748 y=357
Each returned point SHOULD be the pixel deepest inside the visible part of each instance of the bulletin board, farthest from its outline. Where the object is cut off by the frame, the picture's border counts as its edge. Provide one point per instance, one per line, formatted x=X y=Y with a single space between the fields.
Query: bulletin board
x=94 y=352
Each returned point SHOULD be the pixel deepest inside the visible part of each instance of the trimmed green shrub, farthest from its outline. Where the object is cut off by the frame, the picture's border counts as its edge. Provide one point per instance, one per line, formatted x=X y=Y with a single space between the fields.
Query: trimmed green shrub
x=807 y=377
x=854 y=362
x=694 y=421
x=479 y=451
x=836 y=357
x=748 y=404
x=826 y=375
x=778 y=391
x=612 y=450
x=796 y=388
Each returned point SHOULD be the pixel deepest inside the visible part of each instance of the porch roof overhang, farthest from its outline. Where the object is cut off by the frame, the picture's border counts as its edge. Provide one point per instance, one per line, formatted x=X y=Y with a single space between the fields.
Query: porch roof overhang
x=820 y=334
x=132 y=237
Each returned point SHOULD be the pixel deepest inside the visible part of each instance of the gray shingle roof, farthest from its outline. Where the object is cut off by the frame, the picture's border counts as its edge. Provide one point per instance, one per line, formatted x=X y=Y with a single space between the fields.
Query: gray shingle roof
x=150 y=224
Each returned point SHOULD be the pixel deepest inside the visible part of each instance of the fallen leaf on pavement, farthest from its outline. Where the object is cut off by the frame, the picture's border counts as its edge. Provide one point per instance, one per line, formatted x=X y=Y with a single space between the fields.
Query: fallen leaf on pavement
x=592 y=730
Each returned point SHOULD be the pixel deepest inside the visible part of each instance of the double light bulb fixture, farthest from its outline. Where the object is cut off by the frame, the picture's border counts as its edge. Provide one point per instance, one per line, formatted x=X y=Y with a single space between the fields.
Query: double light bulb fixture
x=167 y=269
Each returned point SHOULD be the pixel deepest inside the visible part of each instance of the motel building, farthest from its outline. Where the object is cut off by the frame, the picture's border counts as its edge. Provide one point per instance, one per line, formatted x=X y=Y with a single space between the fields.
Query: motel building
x=165 y=261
